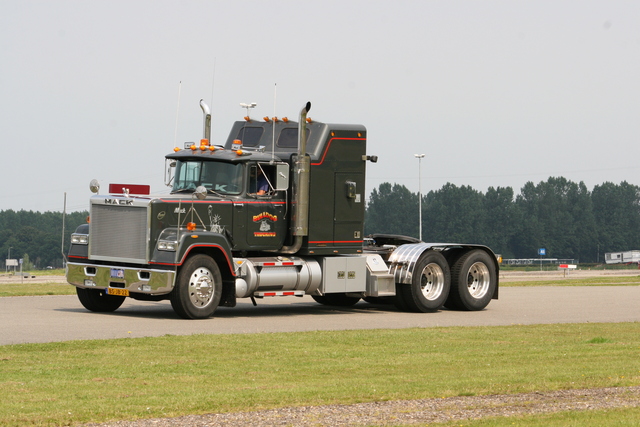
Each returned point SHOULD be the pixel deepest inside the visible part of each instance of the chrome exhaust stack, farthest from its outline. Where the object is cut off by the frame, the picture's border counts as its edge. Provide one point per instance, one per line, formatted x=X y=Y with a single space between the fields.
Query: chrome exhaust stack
x=300 y=198
x=207 y=121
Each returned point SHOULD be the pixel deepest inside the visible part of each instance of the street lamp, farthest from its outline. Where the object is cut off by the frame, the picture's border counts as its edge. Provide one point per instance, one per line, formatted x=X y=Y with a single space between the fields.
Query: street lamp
x=419 y=157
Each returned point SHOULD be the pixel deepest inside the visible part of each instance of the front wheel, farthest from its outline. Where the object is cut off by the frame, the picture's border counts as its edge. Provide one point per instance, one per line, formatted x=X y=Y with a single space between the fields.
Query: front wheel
x=98 y=300
x=198 y=288
x=473 y=281
x=429 y=286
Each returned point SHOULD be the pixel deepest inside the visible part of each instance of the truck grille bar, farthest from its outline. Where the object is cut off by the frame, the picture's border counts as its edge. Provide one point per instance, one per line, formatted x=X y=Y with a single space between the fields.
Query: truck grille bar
x=118 y=233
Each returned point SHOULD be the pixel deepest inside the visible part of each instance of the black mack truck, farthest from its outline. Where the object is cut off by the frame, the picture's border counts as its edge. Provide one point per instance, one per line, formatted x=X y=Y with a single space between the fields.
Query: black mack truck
x=278 y=210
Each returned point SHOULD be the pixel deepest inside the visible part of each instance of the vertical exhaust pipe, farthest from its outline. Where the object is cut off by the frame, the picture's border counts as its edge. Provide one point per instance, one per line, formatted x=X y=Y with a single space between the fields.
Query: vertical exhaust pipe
x=207 y=121
x=300 y=198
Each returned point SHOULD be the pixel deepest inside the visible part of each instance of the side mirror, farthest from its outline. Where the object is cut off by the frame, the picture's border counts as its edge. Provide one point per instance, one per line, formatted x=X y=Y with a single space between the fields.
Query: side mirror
x=282 y=177
x=169 y=168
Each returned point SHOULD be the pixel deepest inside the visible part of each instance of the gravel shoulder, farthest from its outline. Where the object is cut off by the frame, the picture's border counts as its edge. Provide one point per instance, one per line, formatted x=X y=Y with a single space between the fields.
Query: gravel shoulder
x=410 y=412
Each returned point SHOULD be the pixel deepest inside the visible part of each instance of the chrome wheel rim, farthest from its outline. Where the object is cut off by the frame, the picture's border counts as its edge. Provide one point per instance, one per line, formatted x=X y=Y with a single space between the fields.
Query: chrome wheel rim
x=201 y=290
x=478 y=280
x=432 y=281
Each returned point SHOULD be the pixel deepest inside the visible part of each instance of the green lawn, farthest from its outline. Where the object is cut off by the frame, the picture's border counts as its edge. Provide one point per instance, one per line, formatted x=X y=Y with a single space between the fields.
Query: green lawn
x=100 y=380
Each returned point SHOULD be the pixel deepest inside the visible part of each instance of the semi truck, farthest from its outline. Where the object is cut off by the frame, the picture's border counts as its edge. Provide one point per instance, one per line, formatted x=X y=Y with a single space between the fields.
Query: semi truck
x=277 y=210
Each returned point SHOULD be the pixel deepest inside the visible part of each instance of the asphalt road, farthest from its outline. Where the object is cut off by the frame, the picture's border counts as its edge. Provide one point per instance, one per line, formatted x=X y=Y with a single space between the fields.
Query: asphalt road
x=62 y=318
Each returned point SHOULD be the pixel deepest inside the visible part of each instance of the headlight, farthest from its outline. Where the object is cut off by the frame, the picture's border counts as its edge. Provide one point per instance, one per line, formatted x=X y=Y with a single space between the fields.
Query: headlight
x=165 y=245
x=80 y=239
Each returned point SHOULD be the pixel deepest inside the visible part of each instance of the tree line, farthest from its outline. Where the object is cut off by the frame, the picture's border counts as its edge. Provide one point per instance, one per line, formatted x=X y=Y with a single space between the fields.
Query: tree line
x=562 y=216
x=36 y=237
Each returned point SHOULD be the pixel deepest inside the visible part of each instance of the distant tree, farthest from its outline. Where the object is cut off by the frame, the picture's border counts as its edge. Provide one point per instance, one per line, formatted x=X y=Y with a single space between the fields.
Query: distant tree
x=454 y=214
x=37 y=234
x=616 y=209
x=392 y=210
x=556 y=215
x=501 y=220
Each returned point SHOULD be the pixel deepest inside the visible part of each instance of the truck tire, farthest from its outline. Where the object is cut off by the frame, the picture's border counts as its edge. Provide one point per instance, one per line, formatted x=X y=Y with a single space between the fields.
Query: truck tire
x=430 y=283
x=473 y=281
x=340 y=300
x=98 y=300
x=198 y=288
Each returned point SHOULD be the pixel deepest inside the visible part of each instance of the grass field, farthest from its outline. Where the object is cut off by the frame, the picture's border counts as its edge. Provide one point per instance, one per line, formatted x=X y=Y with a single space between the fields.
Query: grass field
x=82 y=381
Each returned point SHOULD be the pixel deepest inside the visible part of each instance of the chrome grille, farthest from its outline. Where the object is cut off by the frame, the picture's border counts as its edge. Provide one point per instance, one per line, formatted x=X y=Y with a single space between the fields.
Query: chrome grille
x=118 y=233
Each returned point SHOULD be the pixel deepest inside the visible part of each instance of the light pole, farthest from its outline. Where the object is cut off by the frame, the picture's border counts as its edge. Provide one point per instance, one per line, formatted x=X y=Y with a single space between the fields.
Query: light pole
x=419 y=157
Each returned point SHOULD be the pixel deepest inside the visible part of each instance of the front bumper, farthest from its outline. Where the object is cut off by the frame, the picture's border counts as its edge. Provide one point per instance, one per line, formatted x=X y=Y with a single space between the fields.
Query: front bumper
x=138 y=280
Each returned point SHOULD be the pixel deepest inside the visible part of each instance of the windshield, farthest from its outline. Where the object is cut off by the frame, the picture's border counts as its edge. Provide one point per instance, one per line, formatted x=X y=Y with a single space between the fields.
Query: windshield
x=216 y=177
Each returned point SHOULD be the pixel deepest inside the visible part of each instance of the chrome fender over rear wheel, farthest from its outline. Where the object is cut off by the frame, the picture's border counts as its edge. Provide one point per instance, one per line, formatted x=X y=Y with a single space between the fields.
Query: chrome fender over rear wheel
x=198 y=288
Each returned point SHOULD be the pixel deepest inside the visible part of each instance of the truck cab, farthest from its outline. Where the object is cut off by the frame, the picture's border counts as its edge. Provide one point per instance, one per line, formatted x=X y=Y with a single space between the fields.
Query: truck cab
x=277 y=210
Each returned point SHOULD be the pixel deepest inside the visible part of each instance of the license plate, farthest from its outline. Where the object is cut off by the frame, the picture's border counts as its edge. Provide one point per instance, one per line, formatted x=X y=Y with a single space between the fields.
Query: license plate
x=119 y=292
x=117 y=273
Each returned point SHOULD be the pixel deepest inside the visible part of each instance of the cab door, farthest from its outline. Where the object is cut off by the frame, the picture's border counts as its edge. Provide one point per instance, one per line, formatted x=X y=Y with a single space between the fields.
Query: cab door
x=266 y=223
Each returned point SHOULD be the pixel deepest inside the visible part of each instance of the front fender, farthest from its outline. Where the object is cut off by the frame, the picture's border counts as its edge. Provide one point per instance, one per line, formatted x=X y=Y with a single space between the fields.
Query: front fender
x=214 y=244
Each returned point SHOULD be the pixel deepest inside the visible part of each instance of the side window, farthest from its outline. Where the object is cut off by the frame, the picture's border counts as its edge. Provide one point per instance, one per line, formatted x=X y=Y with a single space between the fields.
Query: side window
x=289 y=138
x=250 y=136
x=261 y=180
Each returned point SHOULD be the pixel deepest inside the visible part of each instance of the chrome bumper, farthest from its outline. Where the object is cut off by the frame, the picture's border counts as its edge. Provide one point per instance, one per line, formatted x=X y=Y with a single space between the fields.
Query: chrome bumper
x=139 y=280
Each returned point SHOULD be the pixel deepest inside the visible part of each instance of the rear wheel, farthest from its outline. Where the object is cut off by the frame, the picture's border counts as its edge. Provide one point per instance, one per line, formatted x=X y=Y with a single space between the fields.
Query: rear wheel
x=473 y=281
x=98 y=300
x=341 y=300
x=429 y=286
x=198 y=288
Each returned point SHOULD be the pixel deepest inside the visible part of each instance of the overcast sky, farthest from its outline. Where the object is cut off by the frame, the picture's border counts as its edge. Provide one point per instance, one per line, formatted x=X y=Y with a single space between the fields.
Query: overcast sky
x=495 y=93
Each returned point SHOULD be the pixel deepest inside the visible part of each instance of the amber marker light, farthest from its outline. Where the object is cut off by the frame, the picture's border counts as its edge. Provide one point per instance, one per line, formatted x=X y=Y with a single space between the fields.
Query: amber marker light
x=176 y=149
x=191 y=226
x=239 y=152
x=193 y=147
x=203 y=147
x=212 y=148
x=204 y=141
x=285 y=119
x=309 y=120
x=266 y=119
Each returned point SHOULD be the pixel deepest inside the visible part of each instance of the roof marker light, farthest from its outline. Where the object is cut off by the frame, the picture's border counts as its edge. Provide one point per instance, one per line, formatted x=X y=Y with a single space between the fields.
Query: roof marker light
x=266 y=119
x=176 y=149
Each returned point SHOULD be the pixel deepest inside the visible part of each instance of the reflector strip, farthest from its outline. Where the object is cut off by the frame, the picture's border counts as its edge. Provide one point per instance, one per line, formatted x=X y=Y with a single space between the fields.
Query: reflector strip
x=279 y=294
x=276 y=264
